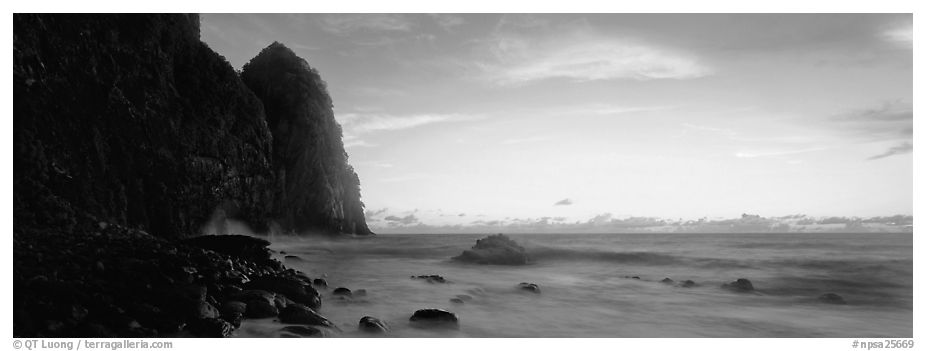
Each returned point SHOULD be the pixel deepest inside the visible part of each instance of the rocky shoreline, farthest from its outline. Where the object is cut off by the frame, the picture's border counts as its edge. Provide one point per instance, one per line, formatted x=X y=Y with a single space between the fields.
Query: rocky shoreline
x=106 y=280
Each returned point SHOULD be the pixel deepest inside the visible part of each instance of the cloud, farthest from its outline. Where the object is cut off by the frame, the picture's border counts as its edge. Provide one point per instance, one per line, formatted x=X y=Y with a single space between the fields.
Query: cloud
x=756 y=154
x=372 y=213
x=362 y=123
x=579 y=54
x=342 y=24
x=407 y=220
x=902 y=35
x=563 y=202
x=446 y=21
x=901 y=149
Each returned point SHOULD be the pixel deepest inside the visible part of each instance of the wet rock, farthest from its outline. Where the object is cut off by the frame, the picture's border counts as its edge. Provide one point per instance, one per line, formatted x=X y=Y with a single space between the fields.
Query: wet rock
x=495 y=249
x=247 y=296
x=294 y=289
x=235 y=245
x=464 y=297
x=210 y=328
x=302 y=331
x=832 y=298
x=233 y=318
x=205 y=310
x=300 y=314
x=433 y=278
x=341 y=291
x=372 y=325
x=688 y=284
x=292 y=258
x=667 y=281
x=531 y=287
x=261 y=309
x=740 y=285
x=320 y=282
x=232 y=307
x=434 y=318
x=457 y=300
x=281 y=301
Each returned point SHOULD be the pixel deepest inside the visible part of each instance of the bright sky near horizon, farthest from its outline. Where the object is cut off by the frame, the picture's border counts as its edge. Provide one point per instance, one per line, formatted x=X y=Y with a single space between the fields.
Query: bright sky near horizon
x=454 y=118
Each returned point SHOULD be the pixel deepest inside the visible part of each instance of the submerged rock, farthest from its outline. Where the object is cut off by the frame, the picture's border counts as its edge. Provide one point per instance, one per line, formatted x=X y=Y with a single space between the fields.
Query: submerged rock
x=434 y=318
x=360 y=292
x=495 y=249
x=667 y=281
x=740 y=285
x=457 y=300
x=688 y=284
x=433 y=278
x=832 y=298
x=341 y=291
x=302 y=331
x=531 y=287
x=372 y=325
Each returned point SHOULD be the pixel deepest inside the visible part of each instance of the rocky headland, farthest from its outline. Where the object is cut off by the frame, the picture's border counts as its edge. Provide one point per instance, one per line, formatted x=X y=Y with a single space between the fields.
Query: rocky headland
x=130 y=134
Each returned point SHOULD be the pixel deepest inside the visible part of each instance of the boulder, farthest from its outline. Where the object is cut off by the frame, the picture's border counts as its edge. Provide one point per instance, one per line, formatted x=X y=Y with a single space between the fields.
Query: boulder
x=372 y=325
x=232 y=307
x=341 y=291
x=434 y=318
x=261 y=309
x=495 y=249
x=432 y=278
x=740 y=285
x=531 y=287
x=320 y=282
x=243 y=246
x=300 y=314
x=294 y=288
x=248 y=296
x=832 y=298
x=204 y=310
x=688 y=284
x=667 y=281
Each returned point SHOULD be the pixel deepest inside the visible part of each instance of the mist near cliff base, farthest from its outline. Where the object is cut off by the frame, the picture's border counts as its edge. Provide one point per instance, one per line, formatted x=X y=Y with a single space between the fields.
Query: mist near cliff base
x=587 y=289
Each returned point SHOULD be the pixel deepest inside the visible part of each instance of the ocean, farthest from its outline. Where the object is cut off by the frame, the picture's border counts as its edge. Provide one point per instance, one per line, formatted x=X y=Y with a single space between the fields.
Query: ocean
x=587 y=289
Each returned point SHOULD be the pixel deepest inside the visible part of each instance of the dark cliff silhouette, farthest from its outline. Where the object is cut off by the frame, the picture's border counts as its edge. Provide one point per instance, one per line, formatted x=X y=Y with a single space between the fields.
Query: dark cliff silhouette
x=131 y=119
x=317 y=189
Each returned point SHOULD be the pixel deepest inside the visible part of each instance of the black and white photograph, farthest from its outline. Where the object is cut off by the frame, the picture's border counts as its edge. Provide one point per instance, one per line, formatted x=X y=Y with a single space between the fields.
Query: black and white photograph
x=462 y=175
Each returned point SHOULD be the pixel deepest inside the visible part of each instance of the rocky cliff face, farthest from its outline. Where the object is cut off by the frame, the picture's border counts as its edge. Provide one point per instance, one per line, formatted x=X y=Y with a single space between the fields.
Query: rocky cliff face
x=131 y=119
x=317 y=190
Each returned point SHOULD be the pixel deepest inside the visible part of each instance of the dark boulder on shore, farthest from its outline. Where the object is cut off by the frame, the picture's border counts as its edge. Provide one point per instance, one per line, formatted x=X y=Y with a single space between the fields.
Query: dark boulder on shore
x=294 y=288
x=740 y=285
x=341 y=291
x=495 y=249
x=243 y=246
x=434 y=318
x=301 y=331
x=300 y=314
x=372 y=325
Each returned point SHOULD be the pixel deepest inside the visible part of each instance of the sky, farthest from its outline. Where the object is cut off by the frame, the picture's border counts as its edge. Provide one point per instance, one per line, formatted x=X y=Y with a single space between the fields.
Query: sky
x=458 y=120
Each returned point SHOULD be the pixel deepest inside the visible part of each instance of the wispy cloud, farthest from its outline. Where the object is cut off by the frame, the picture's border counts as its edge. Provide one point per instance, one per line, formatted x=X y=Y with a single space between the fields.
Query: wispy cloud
x=563 y=202
x=901 y=34
x=774 y=153
x=396 y=220
x=342 y=24
x=580 y=54
x=901 y=149
x=447 y=21
x=362 y=123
